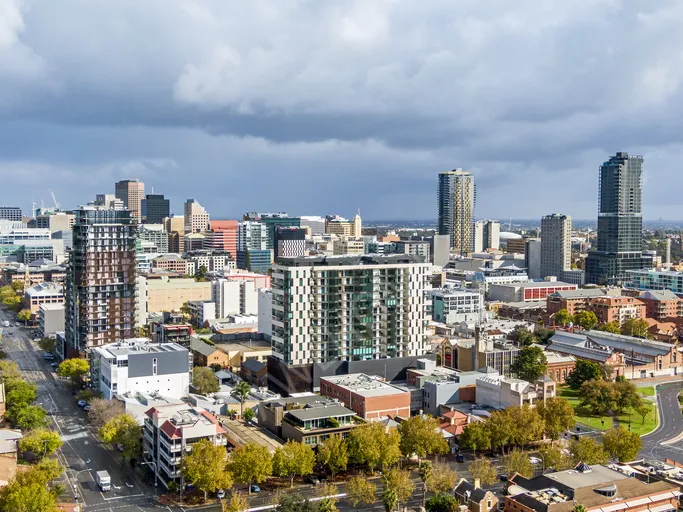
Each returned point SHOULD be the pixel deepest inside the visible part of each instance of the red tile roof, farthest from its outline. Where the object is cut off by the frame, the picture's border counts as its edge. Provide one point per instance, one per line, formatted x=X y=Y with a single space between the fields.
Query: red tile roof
x=454 y=414
x=456 y=430
x=170 y=430
x=151 y=412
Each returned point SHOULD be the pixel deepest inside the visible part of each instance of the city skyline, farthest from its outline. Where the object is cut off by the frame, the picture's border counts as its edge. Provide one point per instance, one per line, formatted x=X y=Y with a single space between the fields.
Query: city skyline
x=386 y=95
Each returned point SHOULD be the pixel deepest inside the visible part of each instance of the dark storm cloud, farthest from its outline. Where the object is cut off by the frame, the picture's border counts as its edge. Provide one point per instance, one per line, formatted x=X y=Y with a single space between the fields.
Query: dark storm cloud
x=313 y=107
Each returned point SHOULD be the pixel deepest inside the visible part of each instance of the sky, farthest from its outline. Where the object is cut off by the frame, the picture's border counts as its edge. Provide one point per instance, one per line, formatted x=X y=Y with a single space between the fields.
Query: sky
x=316 y=107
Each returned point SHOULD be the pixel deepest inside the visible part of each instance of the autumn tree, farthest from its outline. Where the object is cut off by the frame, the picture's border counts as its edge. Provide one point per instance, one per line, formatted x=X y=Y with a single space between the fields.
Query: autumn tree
x=518 y=462
x=359 y=491
x=122 y=430
x=205 y=467
x=41 y=442
x=555 y=457
x=475 y=436
x=598 y=396
x=530 y=364
x=24 y=315
x=30 y=490
x=557 y=415
x=588 y=450
x=250 y=464
x=9 y=371
x=75 y=369
x=370 y=444
x=621 y=444
x=101 y=411
x=333 y=454
x=399 y=481
x=499 y=428
x=420 y=435
x=483 y=469
x=443 y=478
x=204 y=381
x=583 y=371
x=293 y=459
x=238 y=503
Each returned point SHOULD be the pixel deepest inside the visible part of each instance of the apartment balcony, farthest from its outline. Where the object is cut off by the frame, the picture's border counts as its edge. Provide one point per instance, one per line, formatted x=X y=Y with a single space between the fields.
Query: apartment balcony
x=172 y=459
x=173 y=473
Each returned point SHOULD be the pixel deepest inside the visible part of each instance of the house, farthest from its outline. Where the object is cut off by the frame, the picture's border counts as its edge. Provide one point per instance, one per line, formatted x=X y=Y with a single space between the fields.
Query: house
x=255 y=372
x=472 y=495
x=9 y=440
x=502 y=392
x=229 y=355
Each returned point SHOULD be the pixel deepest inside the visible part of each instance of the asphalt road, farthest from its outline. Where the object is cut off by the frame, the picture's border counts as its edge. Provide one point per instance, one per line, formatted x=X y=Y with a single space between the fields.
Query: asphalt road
x=81 y=454
x=670 y=426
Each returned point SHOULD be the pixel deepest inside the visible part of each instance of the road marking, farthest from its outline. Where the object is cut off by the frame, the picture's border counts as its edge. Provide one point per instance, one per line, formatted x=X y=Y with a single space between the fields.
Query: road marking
x=122 y=497
x=71 y=437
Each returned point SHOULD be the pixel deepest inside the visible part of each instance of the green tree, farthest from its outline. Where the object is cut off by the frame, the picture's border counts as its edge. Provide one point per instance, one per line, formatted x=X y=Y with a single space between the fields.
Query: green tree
x=475 y=437
x=250 y=464
x=643 y=410
x=588 y=450
x=426 y=473
x=626 y=396
x=293 y=459
x=443 y=478
x=9 y=371
x=530 y=364
x=295 y=503
x=369 y=444
x=204 y=381
x=555 y=457
x=205 y=467
x=41 y=442
x=557 y=415
x=420 y=435
x=389 y=499
x=359 y=491
x=599 y=396
x=27 y=417
x=441 y=503
x=327 y=502
x=586 y=319
x=74 y=369
x=583 y=372
x=241 y=392
x=606 y=372
x=579 y=508
x=621 y=444
x=612 y=327
x=11 y=300
x=124 y=430
x=500 y=429
x=101 y=411
x=47 y=344
x=17 y=287
x=399 y=481
x=524 y=336
x=185 y=310
x=543 y=334
x=24 y=315
x=29 y=491
x=483 y=469
x=249 y=415
x=20 y=393
x=238 y=503
x=526 y=425
x=518 y=462
x=333 y=454
x=562 y=317
x=200 y=274
x=635 y=327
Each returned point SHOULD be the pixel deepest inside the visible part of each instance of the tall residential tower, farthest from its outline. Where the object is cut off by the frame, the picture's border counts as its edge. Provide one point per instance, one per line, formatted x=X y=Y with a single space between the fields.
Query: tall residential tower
x=457 y=196
x=620 y=221
x=556 y=245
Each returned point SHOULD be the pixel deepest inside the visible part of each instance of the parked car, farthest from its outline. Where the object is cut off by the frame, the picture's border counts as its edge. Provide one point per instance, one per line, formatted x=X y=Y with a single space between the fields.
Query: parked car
x=48 y=356
x=534 y=460
x=82 y=403
x=220 y=494
x=312 y=479
x=54 y=366
x=503 y=478
x=255 y=488
x=460 y=458
x=86 y=408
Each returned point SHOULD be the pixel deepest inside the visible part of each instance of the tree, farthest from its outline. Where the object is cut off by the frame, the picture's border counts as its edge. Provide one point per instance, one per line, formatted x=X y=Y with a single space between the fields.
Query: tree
x=24 y=315
x=204 y=381
x=17 y=286
x=399 y=481
x=441 y=503
x=216 y=367
x=74 y=369
x=205 y=467
x=29 y=490
x=557 y=415
x=583 y=372
x=499 y=427
x=238 y=502
x=626 y=395
x=124 y=430
x=420 y=435
x=293 y=459
x=606 y=372
x=443 y=478
x=200 y=274
x=483 y=469
x=598 y=395
x=526 y=425
x=47 y=344
x=333 y=454
x=250 y=464
x=643 y=410
x=586 y=319
x=11 y=301
x=327 y=502
x=612 y=327
x=9 y=371
x=41 y=442
x=359 y=491
x=543 y=334
x=635 y=327
x=389 y=499
x=101 y=411
x=369 y=444
x=579 y=508
x=523 y=336
x=249 y=415
x=295 y=503
x=621 y=444
x=588 y=450
x=426 y=472
x=518 y=462
x=562 y=317
x=554 y=457
x=20 y=393
x=241 y=392
x=185 y=310
x=475 y=437
x=530 y=364
x=27 y=417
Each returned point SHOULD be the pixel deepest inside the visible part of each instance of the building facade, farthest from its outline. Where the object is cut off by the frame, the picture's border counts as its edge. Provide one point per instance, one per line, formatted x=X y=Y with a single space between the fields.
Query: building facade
x=662 y=304
x=349 y=308
x=100 y=287
x=367 y=396
x=556 y=245
x=272 y=221
x=620 y=221
x=155 y=235
x=43 y=293
x=50 y=319
x=234 y=297
x=224 y=234
x=451 y=306
x=131 y=193
x=196 y=217
x=155 y=208
x=457 y=198
x=486 y=235
x=12 y=213
x=290 y=242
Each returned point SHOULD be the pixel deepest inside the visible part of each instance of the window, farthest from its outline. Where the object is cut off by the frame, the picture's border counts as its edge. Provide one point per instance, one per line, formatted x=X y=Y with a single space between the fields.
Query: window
x=154 y=366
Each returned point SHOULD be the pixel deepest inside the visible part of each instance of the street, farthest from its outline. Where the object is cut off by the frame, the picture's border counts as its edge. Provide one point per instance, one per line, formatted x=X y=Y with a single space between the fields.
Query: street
x=670 y=426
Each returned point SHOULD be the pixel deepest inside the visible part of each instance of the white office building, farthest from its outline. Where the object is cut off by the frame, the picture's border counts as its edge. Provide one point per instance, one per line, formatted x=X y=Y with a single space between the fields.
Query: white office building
x=454 y=306
x=486 y=235
x=265 y=311
x=234 y=297
x=139 y=366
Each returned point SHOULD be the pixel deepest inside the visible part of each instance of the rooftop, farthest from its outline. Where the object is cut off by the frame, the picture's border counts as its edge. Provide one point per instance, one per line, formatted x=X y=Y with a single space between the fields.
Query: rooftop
x=347 y=260
x=320 y=412
x=136 y=346
x=46 y=288
x=535 y=284
x=364 y=385
x=659 y=295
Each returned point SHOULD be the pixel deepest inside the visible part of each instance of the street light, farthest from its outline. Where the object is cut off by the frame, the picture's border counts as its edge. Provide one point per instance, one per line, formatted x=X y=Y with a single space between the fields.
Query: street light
x=155 y=473
x=76 y=482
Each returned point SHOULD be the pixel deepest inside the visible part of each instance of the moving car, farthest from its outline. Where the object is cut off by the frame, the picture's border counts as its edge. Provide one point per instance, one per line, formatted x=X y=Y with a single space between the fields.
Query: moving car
x=82 y=403
x=48 y=356
x=313 y=480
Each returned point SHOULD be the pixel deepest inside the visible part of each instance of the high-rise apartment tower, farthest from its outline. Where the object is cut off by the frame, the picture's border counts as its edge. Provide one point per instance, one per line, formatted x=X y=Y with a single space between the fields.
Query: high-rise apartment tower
x=457 y=197
x=556 y=245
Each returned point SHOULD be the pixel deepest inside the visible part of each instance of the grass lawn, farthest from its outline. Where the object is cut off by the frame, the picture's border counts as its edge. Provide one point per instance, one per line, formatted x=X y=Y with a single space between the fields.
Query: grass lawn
x=583 y=414
x=647 y=391
x=637 y=424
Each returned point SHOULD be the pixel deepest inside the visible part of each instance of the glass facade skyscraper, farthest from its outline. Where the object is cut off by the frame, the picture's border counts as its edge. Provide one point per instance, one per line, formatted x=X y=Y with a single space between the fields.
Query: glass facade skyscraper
x=620 y=221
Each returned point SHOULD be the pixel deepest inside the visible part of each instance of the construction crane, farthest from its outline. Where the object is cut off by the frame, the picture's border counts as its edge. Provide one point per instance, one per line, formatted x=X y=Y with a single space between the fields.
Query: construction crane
x=54 y=198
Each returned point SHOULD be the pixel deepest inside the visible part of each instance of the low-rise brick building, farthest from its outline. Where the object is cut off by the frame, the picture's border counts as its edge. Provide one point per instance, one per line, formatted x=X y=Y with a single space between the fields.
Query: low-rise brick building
x=368 y=396
x=616 y=309
x=662 y=304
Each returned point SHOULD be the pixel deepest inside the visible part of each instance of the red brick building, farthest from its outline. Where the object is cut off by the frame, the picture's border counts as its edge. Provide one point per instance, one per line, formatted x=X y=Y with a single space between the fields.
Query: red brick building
x=662 y=304
x=368 y=396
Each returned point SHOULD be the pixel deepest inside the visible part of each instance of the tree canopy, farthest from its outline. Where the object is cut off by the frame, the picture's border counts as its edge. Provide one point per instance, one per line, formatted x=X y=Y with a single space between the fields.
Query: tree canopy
x=612 y=327
x=333 y=454
x=475 y=437
x=30 y=491
x=598 y=395
x=586 y=319
x=588 y=450
x=562 y=317
x=359 y=491
x=124 y=430
x=204 y=380
x=635 y=327
x=293 y=459
x=369 y=444
x=74 y=369
x=41 y=442
x=557 y=415
x=483 y=469
x=518 y=461
x=621 y=444
x=420 y=435
x=582 y=372
x=206 y=467
x=27 y=417
x=530 y=364
x=251 y=463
